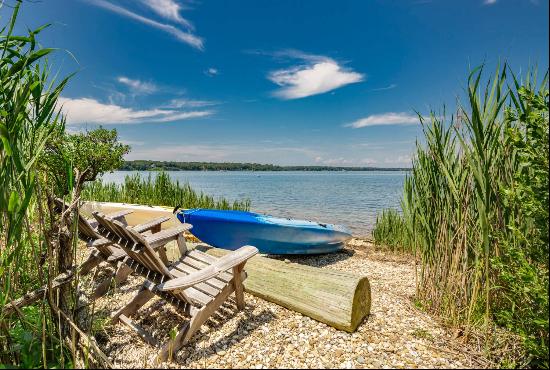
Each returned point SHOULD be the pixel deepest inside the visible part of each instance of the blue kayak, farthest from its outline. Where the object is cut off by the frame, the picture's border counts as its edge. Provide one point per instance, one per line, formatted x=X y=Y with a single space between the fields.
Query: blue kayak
x=271 y=235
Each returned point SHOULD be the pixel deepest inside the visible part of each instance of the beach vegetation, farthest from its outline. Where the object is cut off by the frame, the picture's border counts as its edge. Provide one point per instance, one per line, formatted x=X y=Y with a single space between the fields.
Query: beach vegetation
x=157 y=189
x=41 y=325
x=475 y=212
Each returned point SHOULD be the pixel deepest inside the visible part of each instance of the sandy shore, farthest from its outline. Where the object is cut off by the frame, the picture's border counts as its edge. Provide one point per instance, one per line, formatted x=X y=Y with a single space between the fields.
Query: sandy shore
x=396 y=334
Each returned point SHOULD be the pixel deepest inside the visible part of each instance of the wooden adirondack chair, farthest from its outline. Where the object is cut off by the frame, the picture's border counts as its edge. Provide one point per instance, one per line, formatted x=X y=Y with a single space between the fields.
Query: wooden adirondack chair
x=197 y=284
x=104 y=250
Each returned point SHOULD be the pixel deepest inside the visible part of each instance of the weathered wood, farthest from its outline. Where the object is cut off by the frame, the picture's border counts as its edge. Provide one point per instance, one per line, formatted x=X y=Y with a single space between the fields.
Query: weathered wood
x=337 y=298
x=239 y=292
x=141 y=214
x=142 y=333
x=88 y=344
x=189 y=291
x=36 y=295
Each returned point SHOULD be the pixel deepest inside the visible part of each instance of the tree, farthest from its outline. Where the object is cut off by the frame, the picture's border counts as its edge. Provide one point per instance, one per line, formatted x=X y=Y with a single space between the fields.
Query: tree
x=81 y=157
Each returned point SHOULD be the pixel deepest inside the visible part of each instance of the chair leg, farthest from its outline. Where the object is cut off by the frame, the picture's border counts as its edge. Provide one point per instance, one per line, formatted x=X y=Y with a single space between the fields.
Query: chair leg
x=182 y=245
x=143 y=296
x=239 y=290
x=93 y=260
x=120 y=275
x=197 y=319
x=162 y=254
x=103 y=287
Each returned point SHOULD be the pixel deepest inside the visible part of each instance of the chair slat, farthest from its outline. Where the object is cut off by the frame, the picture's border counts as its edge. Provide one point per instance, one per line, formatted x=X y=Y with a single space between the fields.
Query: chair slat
x=203 y=287
x=215 y=282
x=193 y=262
x=132 y=245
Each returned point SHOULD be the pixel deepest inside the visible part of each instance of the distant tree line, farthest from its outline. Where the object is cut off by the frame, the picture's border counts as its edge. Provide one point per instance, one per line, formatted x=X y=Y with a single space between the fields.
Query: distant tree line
x=142 y=165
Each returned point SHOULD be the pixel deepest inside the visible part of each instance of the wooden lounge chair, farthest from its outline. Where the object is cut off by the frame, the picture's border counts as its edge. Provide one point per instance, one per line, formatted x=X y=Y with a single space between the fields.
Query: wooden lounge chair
x=197 y=284
x=104 y=250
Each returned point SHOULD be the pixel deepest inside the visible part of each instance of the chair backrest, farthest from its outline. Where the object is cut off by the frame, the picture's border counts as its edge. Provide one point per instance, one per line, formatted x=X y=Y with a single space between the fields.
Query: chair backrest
x=138 y=249
x=85 y=231
x=132 y=242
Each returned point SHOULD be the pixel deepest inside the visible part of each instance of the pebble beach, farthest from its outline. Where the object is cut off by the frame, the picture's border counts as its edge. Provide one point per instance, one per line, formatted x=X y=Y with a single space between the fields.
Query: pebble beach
x=396 y=334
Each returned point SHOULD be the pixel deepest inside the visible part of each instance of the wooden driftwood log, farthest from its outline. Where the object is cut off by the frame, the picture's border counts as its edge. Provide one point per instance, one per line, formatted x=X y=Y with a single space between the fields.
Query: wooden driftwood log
x=336 y=298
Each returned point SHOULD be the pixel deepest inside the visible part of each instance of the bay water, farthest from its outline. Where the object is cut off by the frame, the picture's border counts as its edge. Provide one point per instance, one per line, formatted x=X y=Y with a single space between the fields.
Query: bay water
x=340 y=197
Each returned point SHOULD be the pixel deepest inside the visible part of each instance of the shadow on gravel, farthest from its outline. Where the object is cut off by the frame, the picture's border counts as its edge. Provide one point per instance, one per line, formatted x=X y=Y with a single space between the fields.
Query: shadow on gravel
x=320 y=260
x=246 y=325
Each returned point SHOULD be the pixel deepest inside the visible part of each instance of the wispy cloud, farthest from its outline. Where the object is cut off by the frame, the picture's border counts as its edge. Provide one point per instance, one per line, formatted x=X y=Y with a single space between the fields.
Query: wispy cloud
x=189 y=103
x=168 y=9
x=318 y=74
x=87 y=110
x=217 y=152
x=138 y=87
x=186 y=37
x=340 y=161
x=401 y=159
x=489 y=2
x=390 y=118
x=389 y=87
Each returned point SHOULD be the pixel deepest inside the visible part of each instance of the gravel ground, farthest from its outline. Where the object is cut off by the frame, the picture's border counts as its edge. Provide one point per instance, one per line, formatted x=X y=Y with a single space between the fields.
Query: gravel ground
x=394 y=335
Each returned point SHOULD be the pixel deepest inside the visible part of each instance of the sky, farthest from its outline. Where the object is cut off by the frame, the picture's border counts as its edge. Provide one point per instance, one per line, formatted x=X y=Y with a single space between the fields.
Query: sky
x=285 y=82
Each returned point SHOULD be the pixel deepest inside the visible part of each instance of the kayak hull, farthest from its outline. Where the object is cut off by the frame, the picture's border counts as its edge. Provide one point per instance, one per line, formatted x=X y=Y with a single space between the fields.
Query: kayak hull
x=271 y=235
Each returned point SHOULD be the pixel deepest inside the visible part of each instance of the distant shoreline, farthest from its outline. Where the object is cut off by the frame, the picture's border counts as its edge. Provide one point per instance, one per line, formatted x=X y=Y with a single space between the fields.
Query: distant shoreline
x=145 y=165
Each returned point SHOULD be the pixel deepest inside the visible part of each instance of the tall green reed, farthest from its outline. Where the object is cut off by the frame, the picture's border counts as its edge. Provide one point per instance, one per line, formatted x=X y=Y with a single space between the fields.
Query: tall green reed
x=390 y=232
x=475 y=209
x=158 y=190
x=28 y=118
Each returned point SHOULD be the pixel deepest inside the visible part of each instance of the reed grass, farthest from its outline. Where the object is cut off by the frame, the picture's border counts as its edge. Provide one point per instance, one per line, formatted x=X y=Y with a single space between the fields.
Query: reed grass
x=158 y=190
x=390 y=232
x=28 y=118
x=474 y=210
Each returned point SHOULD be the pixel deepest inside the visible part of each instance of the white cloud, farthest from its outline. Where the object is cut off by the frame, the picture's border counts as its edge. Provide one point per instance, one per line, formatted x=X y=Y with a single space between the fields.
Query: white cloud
x=385 y=119
x=211 y=72
x=402 y=159
x=137 y=86
x=168 y=9
x=188 y=103
x=346 y=162
x=187 y=37
x=219 y=153
x=490 y=2
x=87 y=110
x=318 y=75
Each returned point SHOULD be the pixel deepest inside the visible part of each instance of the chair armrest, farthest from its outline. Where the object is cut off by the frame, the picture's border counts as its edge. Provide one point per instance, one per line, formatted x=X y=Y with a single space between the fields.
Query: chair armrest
x=150 y=224
x=119 y=214
x=162 y=237
x=235 y=258
x=228 y=261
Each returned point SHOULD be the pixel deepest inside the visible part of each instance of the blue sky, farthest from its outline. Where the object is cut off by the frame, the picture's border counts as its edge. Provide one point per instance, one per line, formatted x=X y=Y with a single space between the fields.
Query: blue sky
x=284 y=82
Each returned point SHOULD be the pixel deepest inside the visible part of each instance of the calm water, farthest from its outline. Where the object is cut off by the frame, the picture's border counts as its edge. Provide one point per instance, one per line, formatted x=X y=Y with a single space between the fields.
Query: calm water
x=347 y=198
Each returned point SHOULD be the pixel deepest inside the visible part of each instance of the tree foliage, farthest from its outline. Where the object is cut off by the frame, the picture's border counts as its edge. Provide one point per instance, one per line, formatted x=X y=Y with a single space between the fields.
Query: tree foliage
x=90 y=154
